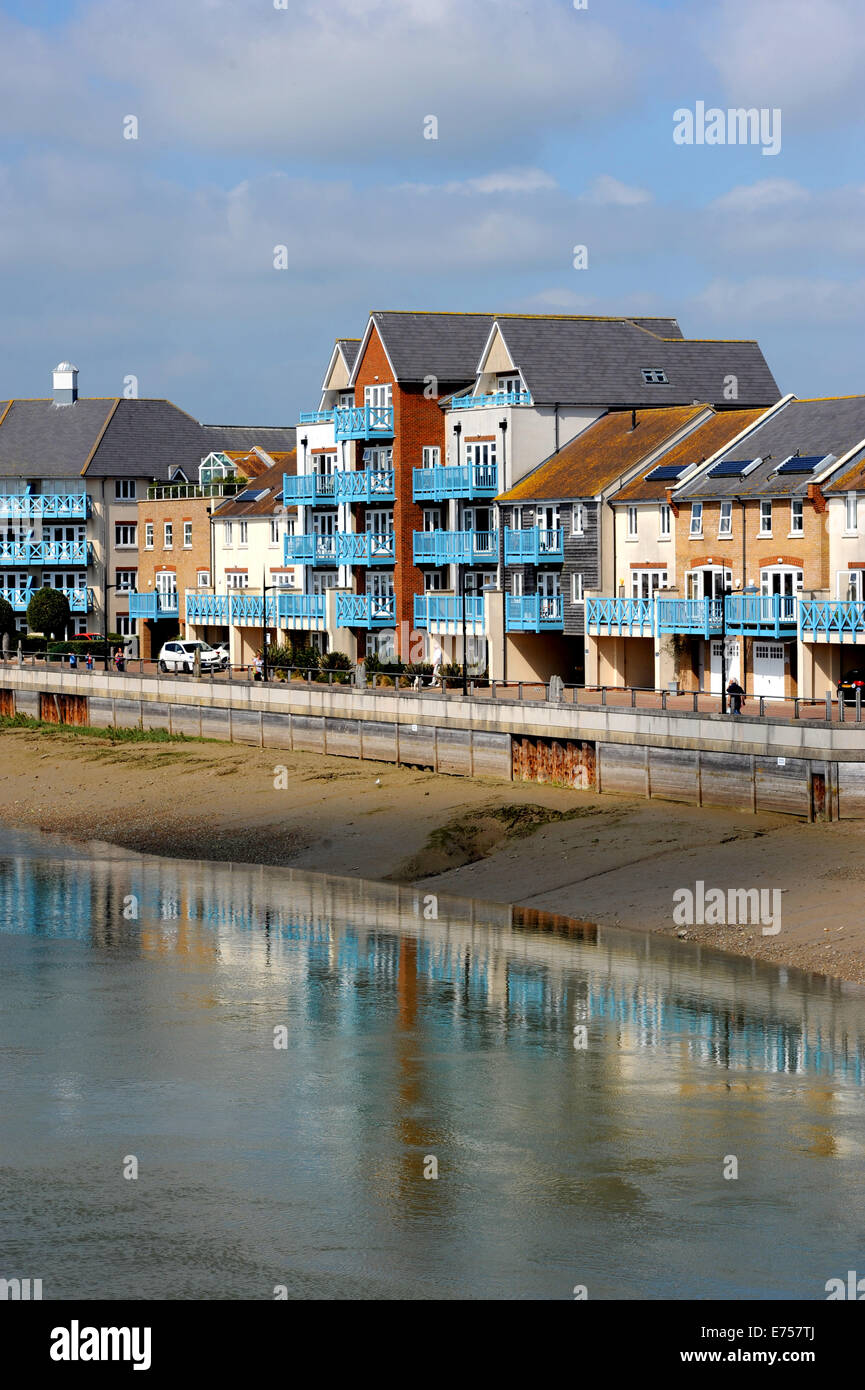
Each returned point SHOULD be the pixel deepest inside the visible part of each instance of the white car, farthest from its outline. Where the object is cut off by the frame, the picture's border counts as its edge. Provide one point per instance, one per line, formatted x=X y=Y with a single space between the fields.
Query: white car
x=180 y=656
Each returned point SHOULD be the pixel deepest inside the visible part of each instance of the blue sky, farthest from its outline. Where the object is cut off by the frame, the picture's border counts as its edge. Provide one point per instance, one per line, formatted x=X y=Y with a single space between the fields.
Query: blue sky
x=303 y=127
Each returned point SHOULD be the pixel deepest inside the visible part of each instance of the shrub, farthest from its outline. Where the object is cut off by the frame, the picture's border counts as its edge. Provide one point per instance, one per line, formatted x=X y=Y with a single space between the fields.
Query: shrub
x=372 y=662
x=7 y=622
x=336 y=665
x=48 y=612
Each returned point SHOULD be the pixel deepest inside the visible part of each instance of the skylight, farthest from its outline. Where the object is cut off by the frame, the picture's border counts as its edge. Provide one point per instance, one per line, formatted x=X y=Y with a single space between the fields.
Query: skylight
x=654 y=375
x=666 y=472
x=801 y=463
x=733 y=468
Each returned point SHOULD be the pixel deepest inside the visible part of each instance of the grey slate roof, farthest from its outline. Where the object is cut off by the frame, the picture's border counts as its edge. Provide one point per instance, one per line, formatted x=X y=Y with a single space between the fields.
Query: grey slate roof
x=828 y=425
x=595 y=362
x=349 y=349
x=139 y=439
x=664 y=328
x=431 y=344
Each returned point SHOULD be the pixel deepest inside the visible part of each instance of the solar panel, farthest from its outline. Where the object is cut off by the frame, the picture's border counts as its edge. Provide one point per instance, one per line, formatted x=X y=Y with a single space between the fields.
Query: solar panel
x=252 y=494
x=804 y=464
x=666 y=472
x=729 y=468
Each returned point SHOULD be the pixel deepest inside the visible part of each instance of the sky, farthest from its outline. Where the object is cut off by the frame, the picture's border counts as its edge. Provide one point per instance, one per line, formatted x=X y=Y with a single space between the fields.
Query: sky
x=303 y=124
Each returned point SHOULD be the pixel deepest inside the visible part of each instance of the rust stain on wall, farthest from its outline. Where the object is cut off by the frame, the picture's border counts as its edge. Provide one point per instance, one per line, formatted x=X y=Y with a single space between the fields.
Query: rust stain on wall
x=564 y=762
x=63 y=709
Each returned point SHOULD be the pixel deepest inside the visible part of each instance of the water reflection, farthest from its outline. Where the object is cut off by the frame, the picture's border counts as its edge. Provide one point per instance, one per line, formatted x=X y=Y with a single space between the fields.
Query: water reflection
x=416 y=1027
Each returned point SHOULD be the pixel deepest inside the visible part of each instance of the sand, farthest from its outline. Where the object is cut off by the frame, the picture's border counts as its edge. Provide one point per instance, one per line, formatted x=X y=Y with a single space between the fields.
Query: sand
x=608 y=859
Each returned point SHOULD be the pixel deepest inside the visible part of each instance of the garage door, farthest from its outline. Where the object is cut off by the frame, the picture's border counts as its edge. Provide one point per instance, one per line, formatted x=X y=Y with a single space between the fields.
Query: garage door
x=769 y=668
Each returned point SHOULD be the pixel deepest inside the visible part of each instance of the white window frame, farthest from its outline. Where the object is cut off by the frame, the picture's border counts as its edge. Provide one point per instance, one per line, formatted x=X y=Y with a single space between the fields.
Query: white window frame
x=633 y=523
x=516 y=586
x=664 y=521
x=237 y=579
x=578 y=519
x=148 y=535
x=576 y=588
x=168 y=535
x=768 y=570
x=725 y=515
x=244 y=534
x=128 y=581
x=274 y=530
x=510 y=383
x=851 y=514
x=125 y=490
x=187 y=535
x=797 y=516
x=765 y=512
x=202 y=579
x=638 y=575
x=849 y=586
x=228 y=534
x=696 y=516
x=431 y=456
x=124 y=528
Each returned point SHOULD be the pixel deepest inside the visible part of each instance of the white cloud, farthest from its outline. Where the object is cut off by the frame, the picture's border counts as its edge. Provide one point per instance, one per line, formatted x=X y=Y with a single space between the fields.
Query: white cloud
x=606 y=191
x=505 y=181
x=768 y=194
x=782 y=299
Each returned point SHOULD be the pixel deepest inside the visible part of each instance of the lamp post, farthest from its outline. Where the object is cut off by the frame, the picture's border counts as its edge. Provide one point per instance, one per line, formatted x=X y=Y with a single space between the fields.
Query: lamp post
x=461 y=575
x=105 y=622
x=264 y=624
x=724 y=597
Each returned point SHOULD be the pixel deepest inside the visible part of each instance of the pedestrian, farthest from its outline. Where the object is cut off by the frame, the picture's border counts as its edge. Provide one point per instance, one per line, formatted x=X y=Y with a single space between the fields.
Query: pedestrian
x=737 y=696
x=73 y=661
x=438 y=662
x=119 y=663
x=258 y=666
x=89 y=661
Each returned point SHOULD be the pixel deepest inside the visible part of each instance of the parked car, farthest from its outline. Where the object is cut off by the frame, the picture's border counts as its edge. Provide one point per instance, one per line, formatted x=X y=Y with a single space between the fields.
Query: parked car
x=180 y=656
x=849 y=684
x=222 y=649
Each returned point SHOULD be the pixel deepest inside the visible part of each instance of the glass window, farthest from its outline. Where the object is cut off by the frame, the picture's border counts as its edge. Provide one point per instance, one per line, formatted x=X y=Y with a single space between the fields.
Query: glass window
x=125 y=580
x=516 y=585
x=765 y=518
x=228 y=533
x=576 y=588
x=852 y=512
x=696 y=518
x=430 y=457
x=578 y=519
x=797 y=520
x=126 y=535
x=168 y=540
x=124 y=488
x=632 y=523
x=274 y=531
x=665 y=519
x=725 y=524
x=202 y=579
x=148 y=535
x=244 y=532
x=187 y=535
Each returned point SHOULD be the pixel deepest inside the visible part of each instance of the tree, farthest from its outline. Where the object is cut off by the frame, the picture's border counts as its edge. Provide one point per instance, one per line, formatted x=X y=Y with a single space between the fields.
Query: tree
x=48 y=612
x=7 y=620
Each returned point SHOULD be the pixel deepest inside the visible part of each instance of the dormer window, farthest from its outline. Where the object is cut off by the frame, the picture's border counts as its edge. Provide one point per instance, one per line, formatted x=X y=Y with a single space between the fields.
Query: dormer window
x=654 y=376
x=511 y=384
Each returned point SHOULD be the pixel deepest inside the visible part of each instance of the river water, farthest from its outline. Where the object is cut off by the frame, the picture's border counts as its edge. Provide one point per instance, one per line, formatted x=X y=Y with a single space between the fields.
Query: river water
x=288 y=1058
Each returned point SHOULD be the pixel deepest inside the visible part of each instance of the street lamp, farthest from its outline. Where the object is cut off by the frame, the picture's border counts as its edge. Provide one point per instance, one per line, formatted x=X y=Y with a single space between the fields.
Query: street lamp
x=461 y=574
x=105 y=622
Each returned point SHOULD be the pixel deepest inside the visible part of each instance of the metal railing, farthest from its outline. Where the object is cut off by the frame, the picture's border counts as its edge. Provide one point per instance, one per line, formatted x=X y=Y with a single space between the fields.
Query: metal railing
x=340 y=548
x=455 y=547
x=343 y=485
x=48 y=505
x=534 y=613
x=80 y=600
x=820 y=618
x=44 y=552
x=362 y=421
x=455 y=480
x=620 y=617
x=496 y=398
x=533 y=545
x=365 y=610
x=444 y=612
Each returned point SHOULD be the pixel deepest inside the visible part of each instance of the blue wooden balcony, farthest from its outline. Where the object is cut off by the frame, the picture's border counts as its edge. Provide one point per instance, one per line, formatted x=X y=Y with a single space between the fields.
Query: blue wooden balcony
x=208 y=609
x=80 y=600
x=153 y=604
x=344 y=485
x=762 y=615
x=304 y=611
x=59 y=506
x=455 y=480
x=534 y=546
x=697 y=617
x=363 y=422
x=238 y=609
x=497 y=398
x=44 y=553
x=341 y=548
x=365 y=610
x=820 y=619
x=455 y=547
x=620 y=617
x=534 y=613
x=444 y=613
x=316 y=417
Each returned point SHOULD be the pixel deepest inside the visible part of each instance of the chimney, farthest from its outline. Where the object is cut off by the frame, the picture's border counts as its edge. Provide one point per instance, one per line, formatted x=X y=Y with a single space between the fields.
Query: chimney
x=65 y=384
x=633 y=419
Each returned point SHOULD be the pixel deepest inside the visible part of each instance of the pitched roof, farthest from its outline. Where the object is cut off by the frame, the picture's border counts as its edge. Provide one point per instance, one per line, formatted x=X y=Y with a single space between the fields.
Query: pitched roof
x=812 y=428
x=116 y=438
x=600 y=362
x=349 y=348
x=267 y=489
x=432 y=344
x=700 y=444
x=601 y=454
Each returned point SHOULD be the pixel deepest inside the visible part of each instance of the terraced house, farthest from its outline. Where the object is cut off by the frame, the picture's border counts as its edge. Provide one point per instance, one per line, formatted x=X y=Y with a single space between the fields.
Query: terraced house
x=425 y=422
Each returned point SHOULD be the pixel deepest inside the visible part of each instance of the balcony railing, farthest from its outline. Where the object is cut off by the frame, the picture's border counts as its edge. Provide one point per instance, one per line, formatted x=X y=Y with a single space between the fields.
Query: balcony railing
x=818 y=618
x=619 y=617
x=534 y=546
x=316 y=417
x=365 y=610
x=301 y=610
x=534 y=613
x=167 y=492
x=44 y=553
x=340 y=548
x=695 y=616
x=455 y=547
x=50 y=505
x=455 y=480
x=363 y=422
x=344 y=485
x=761 y=615
x=157 y=603
x=80 y=600
x=498 y=398
x=444 y=612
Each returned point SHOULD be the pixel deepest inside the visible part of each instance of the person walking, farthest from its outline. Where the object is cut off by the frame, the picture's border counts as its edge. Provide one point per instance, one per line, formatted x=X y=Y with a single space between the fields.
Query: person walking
x=119 y=662
x=89 y=661
x=259 y=663
x=73 y=661
x=737 y=696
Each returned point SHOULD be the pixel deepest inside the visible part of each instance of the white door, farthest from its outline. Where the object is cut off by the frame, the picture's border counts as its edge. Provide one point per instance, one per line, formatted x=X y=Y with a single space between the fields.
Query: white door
x=769 y=669
x=734 y=668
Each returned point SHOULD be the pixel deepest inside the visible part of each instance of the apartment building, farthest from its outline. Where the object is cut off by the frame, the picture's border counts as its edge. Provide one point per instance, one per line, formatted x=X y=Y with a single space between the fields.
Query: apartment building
x=429 y=418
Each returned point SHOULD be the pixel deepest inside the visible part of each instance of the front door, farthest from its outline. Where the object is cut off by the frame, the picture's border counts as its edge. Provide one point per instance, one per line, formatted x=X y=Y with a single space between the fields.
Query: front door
x=734 y=667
